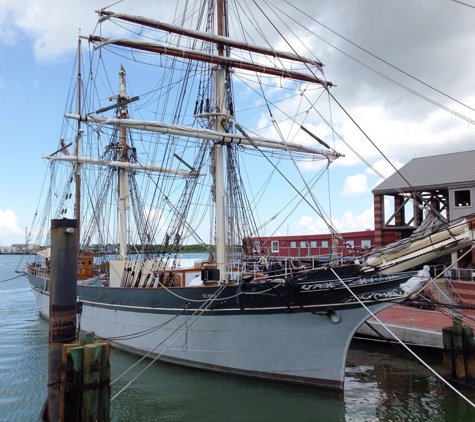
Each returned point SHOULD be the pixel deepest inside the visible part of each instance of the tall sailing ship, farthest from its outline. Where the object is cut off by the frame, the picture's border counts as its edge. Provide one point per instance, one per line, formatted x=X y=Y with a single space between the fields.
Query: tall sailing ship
x=189 y=160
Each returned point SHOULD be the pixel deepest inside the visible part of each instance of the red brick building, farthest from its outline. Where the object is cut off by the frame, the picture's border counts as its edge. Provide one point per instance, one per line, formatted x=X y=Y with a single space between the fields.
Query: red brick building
x=317 y=244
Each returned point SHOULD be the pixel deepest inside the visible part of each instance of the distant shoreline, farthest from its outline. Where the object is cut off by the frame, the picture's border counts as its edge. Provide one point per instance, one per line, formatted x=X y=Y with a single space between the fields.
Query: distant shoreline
x=16 y=253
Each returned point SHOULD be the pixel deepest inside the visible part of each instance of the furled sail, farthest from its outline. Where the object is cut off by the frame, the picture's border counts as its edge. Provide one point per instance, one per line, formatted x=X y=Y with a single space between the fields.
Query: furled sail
x=212 y=135
x=119 y=164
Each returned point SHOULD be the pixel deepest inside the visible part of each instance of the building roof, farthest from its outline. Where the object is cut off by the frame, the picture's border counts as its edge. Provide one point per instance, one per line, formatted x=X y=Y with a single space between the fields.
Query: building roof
x=434 y=172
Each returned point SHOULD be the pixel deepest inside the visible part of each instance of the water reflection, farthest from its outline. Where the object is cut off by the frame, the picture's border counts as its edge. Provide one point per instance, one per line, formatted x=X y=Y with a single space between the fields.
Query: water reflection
x=182 y=394
x=384 y=383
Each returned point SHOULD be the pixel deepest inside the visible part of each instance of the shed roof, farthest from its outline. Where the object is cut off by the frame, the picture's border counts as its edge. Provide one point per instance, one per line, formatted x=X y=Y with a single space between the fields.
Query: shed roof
x=428 y=173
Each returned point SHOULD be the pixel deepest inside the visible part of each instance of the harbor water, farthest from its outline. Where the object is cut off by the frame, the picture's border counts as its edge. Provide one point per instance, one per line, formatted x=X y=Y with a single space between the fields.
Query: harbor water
x=383 y=383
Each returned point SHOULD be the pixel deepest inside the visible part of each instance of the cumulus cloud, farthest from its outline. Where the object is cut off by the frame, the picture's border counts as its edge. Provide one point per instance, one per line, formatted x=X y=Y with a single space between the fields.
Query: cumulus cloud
x=347 y=223
x=54 y=25
x=351 y=222
x=8 y=226
x=310 y=225
x=384 y=168
x=355 y=185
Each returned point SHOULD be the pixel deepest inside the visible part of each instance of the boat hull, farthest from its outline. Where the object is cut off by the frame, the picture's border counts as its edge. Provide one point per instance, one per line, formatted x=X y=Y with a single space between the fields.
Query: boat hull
x=210 y=328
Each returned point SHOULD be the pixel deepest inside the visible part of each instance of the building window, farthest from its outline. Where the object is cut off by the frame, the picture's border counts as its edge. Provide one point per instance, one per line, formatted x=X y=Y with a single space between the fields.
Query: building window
x=324 y=243
x=462 y=198
x=257 y=246
x=313 y=243
x=293 y=244
x=275 y=246
x=350 y=243
x=366 y=244
x=303 y=244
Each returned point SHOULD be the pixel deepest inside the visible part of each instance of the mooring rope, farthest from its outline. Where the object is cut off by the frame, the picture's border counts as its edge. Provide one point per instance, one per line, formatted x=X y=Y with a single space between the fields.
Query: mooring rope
x=24 y=309
x=13 y=278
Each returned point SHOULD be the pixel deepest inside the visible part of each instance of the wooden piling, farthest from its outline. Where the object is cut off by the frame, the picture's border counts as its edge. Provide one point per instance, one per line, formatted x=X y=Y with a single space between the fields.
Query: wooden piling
x=66 y=387
x=448 y=356
x=458 y=352
x=62 y=307
x=73 y=407
x=78 y=373
x=85 y=380
x=86 y=338
x=469 y=349
x=105 y=389
x=92 y=375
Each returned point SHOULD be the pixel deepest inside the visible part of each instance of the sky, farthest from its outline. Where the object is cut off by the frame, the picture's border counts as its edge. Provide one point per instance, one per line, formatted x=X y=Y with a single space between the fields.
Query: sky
x=380 y=54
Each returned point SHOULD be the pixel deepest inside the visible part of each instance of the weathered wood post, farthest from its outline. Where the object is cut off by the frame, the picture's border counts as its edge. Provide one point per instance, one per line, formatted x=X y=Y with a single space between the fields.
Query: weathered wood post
x=458 y=348
x=62 y=307
x=67 y=378
x=469 y=350
x=92 y=376
x=458 y=351
x=71 y=409
x=448 y=353
x=105 y=391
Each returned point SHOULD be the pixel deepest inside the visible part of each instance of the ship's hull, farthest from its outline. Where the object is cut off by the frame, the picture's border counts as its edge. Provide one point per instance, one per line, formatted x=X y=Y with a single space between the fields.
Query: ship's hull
x=247 y=330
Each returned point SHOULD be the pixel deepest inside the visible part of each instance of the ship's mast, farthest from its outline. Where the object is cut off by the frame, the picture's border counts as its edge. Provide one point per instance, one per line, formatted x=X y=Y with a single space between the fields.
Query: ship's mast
x=77 y=211
x=123 y=172
x=221 y=61
x=218 y=149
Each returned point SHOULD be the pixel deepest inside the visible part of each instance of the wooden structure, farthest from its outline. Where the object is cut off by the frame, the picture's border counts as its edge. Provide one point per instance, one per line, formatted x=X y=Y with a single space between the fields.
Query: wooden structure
x=85 y=380
x=445 y=183
x=459 y=352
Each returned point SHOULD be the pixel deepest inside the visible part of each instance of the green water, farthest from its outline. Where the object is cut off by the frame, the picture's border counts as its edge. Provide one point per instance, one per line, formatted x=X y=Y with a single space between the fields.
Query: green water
x=382 y=383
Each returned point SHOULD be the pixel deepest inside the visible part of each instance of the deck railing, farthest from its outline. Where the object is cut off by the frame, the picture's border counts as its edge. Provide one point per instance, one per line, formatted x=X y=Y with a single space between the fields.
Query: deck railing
x=462 y=274
x=37 y=271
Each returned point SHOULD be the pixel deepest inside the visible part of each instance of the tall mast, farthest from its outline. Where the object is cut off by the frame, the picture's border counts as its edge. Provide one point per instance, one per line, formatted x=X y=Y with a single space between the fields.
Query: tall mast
x=77 y=211
x=218 y=149
x=123 y=172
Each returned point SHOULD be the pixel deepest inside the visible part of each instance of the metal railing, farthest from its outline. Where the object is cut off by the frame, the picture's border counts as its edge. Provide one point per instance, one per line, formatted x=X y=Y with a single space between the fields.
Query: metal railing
x=439 y=294
x=459 y=299
x=462 y=274
x=452 y=274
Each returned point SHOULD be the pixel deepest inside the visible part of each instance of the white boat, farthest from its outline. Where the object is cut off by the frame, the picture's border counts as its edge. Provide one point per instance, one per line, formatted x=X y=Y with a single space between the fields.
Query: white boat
x=149 y=173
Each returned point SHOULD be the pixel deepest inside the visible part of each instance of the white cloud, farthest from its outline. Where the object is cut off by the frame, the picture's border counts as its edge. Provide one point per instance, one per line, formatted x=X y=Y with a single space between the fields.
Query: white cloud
x=355 y=185
x=351 y=222
x=348 y=223
x=54 y=25
x=384 y=168
x=309 y=225
x=9 y=230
